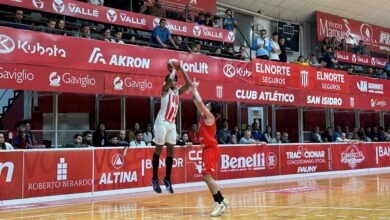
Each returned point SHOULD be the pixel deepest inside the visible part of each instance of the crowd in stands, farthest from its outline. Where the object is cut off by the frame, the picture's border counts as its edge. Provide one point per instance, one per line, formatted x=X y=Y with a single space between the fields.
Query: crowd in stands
x=338 y=134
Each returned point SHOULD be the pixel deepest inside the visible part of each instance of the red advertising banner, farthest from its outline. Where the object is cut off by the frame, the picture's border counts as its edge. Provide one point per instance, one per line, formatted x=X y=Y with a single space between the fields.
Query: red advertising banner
x=359 y=85
x=373 y=103
x=107 y=15
x=278 y=74
x=193 y=164
x=11 y=175
x=377 y=38
x=329 y=100
x=20 y=46
x=112 y=170
x=198 y=5
x=248 y=161
x=352 y=156
x=360 y=59
x=57 y=172
x=382 y=154
x=295 y=159
x=40 y=78
x=133 y=85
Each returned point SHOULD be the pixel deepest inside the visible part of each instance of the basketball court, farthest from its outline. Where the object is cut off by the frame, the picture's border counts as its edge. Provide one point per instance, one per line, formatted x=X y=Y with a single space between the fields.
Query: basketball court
x=357 y=196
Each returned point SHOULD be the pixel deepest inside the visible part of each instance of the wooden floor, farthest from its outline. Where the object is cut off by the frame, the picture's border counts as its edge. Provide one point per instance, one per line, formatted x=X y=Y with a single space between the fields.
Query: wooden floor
x=352 y=197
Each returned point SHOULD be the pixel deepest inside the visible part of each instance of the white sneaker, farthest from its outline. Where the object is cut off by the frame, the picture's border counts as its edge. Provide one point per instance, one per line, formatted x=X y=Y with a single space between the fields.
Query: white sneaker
x=218 y=209
x=226 y=203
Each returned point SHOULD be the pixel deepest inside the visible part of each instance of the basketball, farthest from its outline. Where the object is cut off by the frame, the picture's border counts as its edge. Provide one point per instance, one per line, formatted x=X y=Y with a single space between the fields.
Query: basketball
x=173 y=64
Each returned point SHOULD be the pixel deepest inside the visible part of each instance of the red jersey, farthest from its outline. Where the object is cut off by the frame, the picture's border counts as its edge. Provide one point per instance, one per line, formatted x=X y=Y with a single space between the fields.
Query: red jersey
x=207 y=134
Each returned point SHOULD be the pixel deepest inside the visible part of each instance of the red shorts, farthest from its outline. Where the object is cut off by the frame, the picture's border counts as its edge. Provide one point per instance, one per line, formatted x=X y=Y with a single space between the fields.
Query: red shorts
x=210 y=159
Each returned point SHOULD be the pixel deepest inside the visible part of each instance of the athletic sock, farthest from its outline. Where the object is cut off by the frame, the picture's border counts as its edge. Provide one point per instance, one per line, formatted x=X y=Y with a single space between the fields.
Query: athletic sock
x=168 y=164
x=155 y=162
x=220 y=196
x=216 y=198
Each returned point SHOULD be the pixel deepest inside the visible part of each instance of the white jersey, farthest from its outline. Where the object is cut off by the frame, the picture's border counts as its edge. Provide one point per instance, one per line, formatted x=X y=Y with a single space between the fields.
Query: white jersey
x=169 y=106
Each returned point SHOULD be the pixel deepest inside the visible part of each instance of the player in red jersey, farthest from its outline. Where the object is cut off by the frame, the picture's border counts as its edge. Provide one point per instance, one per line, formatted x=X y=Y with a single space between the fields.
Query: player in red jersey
x=210 y=152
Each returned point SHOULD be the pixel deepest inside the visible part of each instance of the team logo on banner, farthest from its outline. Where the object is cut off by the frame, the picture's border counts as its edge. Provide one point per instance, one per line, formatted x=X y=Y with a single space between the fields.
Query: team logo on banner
x=117 y=161
x=10 y=170
x=366 y=31
x=58 y=6
x=219 y=91
x=229 y=70
x=118 y=83
x=352 y=156
x=38 y=3
x=373 y=61
x=272 y=160
x=352 y=102
x=111 y=15
x=231 y=36
x=156 y=22
x=7 y=45
x=304 y=78
x=197 y=30
x=195 y=156
x=96 y=56
x=62 y=170
x=54 y=79
x=354 y=58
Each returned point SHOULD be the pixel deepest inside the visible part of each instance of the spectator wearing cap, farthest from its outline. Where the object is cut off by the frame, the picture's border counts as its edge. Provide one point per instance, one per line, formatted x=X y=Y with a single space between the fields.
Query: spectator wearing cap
x=138 y=142
x=228 y=21
x=301 y=61
x=117 y=38
x=262 y=45
x=283 y=53
x=157 y=10
x=275 y=51
x=161 y=35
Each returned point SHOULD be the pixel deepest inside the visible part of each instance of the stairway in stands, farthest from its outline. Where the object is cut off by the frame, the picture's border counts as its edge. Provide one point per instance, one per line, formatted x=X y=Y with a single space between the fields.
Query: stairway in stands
x=7 y=98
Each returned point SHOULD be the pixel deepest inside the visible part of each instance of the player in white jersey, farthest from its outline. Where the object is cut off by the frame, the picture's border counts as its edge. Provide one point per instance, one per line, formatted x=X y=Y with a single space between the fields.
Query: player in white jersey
x=165 y=127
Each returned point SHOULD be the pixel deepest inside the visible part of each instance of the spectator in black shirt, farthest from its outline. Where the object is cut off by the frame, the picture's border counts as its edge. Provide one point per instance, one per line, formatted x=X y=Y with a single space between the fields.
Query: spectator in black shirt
x=51 y=24
x=282 y=46
x=359 y=49
x=113 y=141
x=18 y=22
x=181 y=44
x=61 y=27
x=100 y=136
x=203 y=20
x=329 y=59
x=230 y=51
x=139 y=6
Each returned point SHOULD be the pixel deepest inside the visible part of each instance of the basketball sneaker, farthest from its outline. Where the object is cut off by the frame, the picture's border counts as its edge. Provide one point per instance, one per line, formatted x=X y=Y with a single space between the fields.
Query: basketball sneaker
x=156 y=185
x=226 y=203
x=168 y=185
x=218 y=209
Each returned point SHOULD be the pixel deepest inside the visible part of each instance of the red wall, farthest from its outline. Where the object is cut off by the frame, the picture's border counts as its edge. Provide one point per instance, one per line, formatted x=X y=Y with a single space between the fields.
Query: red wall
x=287 y=121
x=369 y=119
x=14 y=114
x=314 y=118
x=344 y=119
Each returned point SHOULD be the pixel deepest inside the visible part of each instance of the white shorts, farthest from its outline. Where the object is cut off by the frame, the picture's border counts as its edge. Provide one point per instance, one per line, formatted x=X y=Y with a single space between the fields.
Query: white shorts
x=164 y=132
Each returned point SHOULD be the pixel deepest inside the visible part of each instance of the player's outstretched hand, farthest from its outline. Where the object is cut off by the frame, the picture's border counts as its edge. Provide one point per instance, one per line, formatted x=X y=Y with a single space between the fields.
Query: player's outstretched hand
x=124 y=152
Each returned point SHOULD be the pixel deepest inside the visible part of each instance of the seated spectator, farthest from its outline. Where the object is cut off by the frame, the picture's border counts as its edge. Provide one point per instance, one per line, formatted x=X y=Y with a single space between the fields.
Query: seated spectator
x=19 y=139
x=301 y=61
x=315 y=136
x=342 y=138
x=343 y=46
x=131 y=136
x=100 y=136
x=236 y=131
x=161 y=35
x=256 y=132
x=61 y=27
x=117 y=38
x=329 y=59
x=4 y=145
x=193 y=134
x=267 y=134
x=328 y=136
x=350 y=70
x=242 y=55
x=381 y=134
x=138 y=6
x=132 y=40
x=84 y=32
x=148 y=134
x=157 y=10
x=112 y=141
x=202 y=19
x=138 y=142
x=181 y=44
x=337 y=132
x=51 y=25
x=246 y=139
x=196 y=47
x=285 y=139
x=233 y=139
x=96 y=2
x=313 y=61
x=359 y=49
x=179 y=140
x=76 y=142
x=283 y=53
x=325 y=45
x=30 y=138
x=122 y=138
x=334 y=43
x=277 y=139
x=18 y=22
x=228 y=21
x=106 y=34
x=366 y=51
x=186 y=139
x=262 y=45
x=187 y=15
x=218 y=51
x=275 y=48
x=87 y=138
x=387 y=134
x=223 y=133
x=230 y=51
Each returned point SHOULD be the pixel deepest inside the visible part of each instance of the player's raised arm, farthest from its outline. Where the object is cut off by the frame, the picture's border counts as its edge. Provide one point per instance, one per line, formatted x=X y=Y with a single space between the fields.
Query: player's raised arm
x=199 y=102
x=188 y=84
x=168 y=83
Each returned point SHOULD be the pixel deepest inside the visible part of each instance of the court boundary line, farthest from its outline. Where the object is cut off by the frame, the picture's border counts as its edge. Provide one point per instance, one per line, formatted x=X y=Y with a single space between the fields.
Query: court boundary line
x=246 y=181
